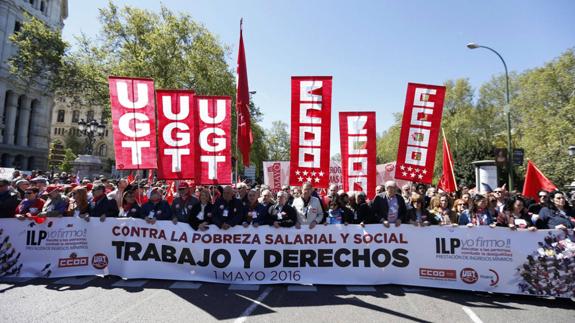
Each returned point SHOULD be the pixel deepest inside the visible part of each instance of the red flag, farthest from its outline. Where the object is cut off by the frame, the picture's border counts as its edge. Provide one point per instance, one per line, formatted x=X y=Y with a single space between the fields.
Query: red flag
x=170 y=193
x=310 y=130
x=419 y=132
x=535 y=181
x=447 y=182
x=134 y=122
x=177 y=128
x=150 y=177
x=358 y=167
x=130 y=178
x=245 y=138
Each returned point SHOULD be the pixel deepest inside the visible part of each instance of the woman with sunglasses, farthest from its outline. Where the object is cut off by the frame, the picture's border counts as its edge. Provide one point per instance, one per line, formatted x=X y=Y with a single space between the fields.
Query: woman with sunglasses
x=458 y=207
x=557 y=214
x=31 y=205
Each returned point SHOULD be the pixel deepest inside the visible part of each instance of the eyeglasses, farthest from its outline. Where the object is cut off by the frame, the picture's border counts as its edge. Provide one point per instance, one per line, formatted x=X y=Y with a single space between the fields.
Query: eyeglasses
x=497 y=192
x=542 y=196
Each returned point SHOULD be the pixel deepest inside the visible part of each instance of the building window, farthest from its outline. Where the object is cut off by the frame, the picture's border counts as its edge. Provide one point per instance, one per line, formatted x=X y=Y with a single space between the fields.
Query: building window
x=102 y=150
x=17 y=26
x=61 y=115
x=90 y=115
x=106 y=132
x=75 y=116
x=31 y=2
x=55 y=131
x=42 y=6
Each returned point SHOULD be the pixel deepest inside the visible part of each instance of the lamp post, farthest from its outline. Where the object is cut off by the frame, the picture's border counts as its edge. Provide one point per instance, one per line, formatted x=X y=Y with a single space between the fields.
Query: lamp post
x=507 y=112
x=571 y=151
x=92 y=130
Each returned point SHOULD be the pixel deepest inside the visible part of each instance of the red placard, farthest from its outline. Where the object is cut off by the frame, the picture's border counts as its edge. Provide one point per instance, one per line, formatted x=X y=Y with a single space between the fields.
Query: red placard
x=213 y=149
x=133 y=115
x=358 y=151
x=310 y=130
x=177 y=134
x=419 y=132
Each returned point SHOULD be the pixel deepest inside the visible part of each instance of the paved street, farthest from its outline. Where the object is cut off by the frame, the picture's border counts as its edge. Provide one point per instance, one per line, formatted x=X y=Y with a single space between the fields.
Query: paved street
x=96 y=299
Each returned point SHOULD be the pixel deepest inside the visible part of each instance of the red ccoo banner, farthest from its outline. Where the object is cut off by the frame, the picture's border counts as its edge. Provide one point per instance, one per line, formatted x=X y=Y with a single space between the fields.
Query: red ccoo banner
x=214 y=140
x=310 y=130
x=177 y=134
x=133 y=115
x=358 y=151
x=419 y=132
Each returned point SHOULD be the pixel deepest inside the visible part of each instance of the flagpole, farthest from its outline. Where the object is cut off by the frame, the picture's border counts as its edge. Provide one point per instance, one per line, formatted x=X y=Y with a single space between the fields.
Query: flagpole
x=237 y=115
x=449 y=159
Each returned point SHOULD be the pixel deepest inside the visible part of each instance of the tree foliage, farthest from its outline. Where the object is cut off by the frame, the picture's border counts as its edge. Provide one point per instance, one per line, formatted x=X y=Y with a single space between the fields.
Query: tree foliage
x=39 y=57
x=278 y=141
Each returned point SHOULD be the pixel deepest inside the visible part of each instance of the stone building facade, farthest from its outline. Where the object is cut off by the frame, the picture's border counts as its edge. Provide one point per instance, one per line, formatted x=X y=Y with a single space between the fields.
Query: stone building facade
x=65 y=123
x=25 y=115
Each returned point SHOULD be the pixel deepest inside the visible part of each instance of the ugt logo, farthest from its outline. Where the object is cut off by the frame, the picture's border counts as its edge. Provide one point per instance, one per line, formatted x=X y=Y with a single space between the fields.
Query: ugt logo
x=34 y=238
x=443 y=247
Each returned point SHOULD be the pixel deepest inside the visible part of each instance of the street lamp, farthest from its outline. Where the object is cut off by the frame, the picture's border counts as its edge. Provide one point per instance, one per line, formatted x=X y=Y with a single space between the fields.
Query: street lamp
x=506 y=110
x=91 y=129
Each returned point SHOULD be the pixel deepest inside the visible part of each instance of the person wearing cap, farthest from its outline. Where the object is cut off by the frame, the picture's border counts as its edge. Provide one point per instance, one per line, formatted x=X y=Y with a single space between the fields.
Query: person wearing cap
x=389 y=207
x=41 y=183
x=183 y=203
x=201 y=213
x=56 y=205
x=228 y=210
x=156 y=208
x=281 y=214
x=9 y=199
x=31 y=206
x=21 y=186
x=309 y=209
x=256 y=213
x=101 y=206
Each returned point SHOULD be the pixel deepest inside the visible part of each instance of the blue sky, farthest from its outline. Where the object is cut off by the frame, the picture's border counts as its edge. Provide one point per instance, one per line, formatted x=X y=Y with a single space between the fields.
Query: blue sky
x=371 y=48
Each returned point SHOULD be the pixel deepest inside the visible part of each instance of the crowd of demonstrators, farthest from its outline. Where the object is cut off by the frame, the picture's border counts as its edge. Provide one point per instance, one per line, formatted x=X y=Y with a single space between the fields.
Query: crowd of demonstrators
x=37 y=196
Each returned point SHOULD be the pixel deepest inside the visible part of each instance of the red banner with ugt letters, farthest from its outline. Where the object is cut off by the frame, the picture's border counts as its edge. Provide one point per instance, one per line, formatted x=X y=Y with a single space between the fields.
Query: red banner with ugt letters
x=419 y=132
x=133 y=115
x=177 y=134
x=358 y=151
x=310 y=130
x=213 y=149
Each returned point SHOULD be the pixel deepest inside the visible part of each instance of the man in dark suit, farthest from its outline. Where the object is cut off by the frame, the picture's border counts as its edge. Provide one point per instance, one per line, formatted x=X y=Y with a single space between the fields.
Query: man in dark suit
x=228 y=210
x=282 y=214
x=389 y=207
x=9 y=200
x=101 y=206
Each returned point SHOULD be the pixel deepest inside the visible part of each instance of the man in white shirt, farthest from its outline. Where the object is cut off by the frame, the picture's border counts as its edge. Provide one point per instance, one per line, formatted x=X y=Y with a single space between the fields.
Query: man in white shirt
x=308 y=207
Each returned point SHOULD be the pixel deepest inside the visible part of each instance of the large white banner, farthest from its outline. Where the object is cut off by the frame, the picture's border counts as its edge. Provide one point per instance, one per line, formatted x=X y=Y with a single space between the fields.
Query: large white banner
x=481 y=258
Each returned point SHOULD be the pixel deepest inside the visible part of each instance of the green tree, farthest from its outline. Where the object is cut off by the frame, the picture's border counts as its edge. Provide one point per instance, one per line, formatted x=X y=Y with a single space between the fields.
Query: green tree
x=278 y=141
x=69 y=157
x=74 y=143
x=39 y=58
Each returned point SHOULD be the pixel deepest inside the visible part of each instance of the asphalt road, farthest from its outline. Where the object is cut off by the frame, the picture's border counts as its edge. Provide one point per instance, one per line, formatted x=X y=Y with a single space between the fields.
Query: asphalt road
x=97 y=299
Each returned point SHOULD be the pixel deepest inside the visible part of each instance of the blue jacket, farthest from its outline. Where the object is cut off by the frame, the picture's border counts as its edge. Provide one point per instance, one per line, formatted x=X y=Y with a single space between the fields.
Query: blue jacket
x=158 y=211
x=484 y=218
